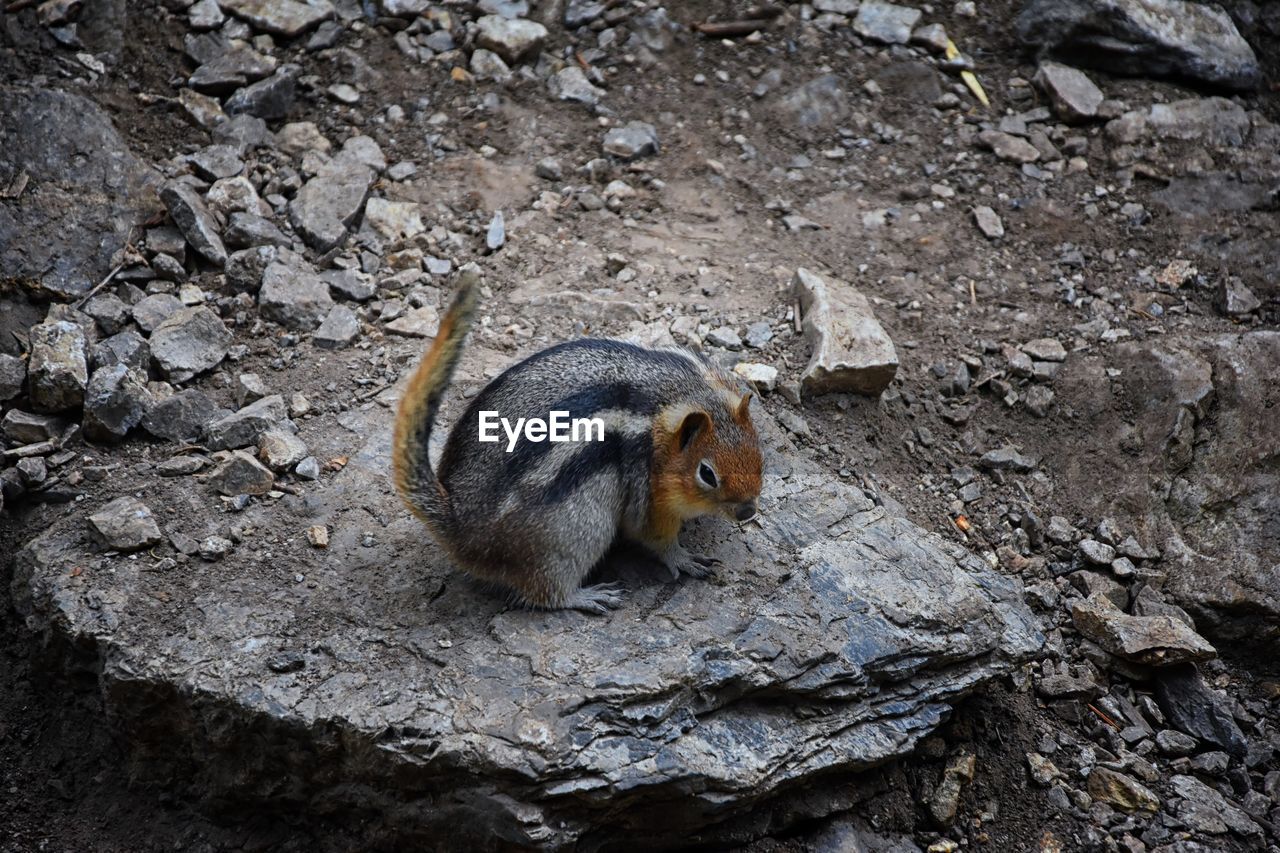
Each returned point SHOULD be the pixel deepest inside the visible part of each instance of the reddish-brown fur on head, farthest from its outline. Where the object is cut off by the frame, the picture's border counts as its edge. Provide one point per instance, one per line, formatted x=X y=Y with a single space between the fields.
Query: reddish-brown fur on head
x=730 y=482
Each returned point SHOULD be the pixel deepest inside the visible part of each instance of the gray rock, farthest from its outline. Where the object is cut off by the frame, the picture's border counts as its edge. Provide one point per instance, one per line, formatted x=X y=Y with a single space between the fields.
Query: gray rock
x=1234 y=299
x=1007 y=459
x=831 y=591
x=115 y=402
x=248 y=230
x=281 y=450
x=13 y=373
x=108 y=311
x=293 y=297
x=330 y=203
x=57 y=370
x=227 y=67
x=549 y=169
x=505 y=8
x=849 y=349
x=242 y=428
x=1206 y=811
x=339 y=329
x=125 y=524
x=214 y=162
x=1195 y=41
x=243 y=132
x=571 y=84
x=246 y=268
x=22 y=427
x=1045 y=349
x=885 y=22
x=1074 y=96
x=1215 y=121
x=1192 y=707
x=578 y=13
x=66 y=225
x=349 y=284
x=1009 y=147
x=150 y=311
x=205 y=15
x=249 y=387
x=241 y=474
x=496 y=234
x=127 y=348
x=725 y=338
x=1097 y=553
x=181 y=416
x=308 y=469
x=269 y=99
x=194 y=220
x=214 y=548
x=190 y=342
x=168 y=268
x=288 y=18
x=988 y=222
x=932 y=36
x=759 y=334
x=487 y=65
x=1150 y=640
x=513 y=40
x=634 y=140
x=1174 y=743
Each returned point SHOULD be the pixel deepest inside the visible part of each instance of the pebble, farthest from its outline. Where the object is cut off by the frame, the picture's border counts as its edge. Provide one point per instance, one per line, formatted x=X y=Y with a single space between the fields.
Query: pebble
x=763 y=377
x=1074 y=96
x=331 y=201
x=281 y=450
x=549 y=169
x=115 y=401
x=1096 y=552
x=885 y=22
x=180 y=417
x=1007 y=459
x=21 y=427
x=214 y=548
x=125 y=524
x=759 y=334
x=318 y=536
x=988 y=221
x=242 y=428
x=725 y=338
x=496 y=235
x=349 y=284
x=1009 y=147
x=308 y=469
x=181 y=466
x=1121 y=791
x=294 y=297
x=13 y=373
x=194 y=220
x=1045 y=349
x=288 y=18
x=511 y=39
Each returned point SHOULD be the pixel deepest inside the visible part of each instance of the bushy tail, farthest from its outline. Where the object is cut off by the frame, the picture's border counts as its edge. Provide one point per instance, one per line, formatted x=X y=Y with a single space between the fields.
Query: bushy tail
x=414 y=477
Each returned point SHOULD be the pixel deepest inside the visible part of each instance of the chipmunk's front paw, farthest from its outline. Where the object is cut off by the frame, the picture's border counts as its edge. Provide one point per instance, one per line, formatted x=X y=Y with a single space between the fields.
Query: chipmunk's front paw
x=679 y=561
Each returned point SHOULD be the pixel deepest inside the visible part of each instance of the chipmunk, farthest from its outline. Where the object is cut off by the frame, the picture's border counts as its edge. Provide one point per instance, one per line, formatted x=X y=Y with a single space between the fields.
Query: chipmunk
x=678 y=443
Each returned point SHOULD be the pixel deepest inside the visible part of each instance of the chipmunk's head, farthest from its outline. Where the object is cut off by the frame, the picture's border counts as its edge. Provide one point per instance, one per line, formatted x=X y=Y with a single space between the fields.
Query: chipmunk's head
x=717 y=460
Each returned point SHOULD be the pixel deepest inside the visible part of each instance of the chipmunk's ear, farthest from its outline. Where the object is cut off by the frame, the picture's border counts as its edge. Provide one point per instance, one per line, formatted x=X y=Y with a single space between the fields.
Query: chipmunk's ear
x=744 y=407
x=695 y=422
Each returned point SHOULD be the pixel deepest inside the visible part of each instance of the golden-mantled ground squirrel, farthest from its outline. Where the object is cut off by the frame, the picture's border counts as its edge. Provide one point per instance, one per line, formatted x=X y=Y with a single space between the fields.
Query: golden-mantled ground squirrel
x=678 y=443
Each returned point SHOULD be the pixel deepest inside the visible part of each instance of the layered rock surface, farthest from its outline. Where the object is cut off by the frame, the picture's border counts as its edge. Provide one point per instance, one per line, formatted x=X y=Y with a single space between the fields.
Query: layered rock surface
x=368 y=675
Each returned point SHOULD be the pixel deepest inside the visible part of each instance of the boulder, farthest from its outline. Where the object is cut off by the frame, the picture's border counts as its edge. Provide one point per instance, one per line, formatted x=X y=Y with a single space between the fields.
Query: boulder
x=61 y=230
x=838 y=638
x=1193 y=41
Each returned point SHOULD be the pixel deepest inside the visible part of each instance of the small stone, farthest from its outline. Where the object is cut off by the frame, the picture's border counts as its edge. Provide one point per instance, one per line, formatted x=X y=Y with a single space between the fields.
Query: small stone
x=232 y=194
x=241 y=474
x=1039 y=400
x=1045 y=349
x=181 y=466
x=725 y=338
x=1097 y=553
x=216 y=162
x=242 y=428
x=13 y=373
x=108 y=311
x=850 y=350
x=885 y=22
x=1007 y=459
x=496 y=235
x=197 y=224
x=549 y=169
x=571 y=84
x=511 y=39
x=288 y=18
x=1175 y=743
x=933 y=37
x=339 y=329
x=1009 y=147
x=293 y=297
x=125 y=524
x=1150 y=640
x=330 y=203
x=115 y=402
x=318 y=536
x=1192 y=707
x=1234 y=299
x=190 y=342
x=487 y=65
x=1213 y=763
x=179 y=417
x=1121 y=791
x=1204 y=810
x=1074 y=96
x=249 y=388
x=299 y=405
x=205 y=15
x=270 y=99
x=21 y=427
x=793 y=423
x=248 y=230
x=214 y=548
x=57 y=370
x=1043 y=771
x=308 y=469
x=298 y=137
x=402 y=171
x=281 y=450
x=151 y=311
x=394 y=220
x=763 y=377
x=636 y=139
x=243 y=132
x=344 y=93
x=945 y=801
x=759 y=334
x=246 y=268
x=349 y=284
x=988 y=222
x=421 y=322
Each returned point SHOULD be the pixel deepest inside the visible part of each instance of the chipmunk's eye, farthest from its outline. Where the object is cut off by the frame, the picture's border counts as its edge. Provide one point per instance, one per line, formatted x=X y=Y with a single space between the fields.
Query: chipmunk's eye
x=707 y=476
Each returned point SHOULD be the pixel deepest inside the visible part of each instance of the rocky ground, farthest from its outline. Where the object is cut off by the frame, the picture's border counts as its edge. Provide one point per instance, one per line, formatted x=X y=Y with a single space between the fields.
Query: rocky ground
x=1022 y=592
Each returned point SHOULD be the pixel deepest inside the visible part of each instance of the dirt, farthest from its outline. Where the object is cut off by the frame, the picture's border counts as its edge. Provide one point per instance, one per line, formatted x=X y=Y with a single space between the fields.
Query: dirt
x=939 y=288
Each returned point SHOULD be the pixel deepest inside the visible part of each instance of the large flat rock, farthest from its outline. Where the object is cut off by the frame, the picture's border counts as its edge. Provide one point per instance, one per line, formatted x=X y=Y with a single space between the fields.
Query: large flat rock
x=70 y=190
x=368 y=676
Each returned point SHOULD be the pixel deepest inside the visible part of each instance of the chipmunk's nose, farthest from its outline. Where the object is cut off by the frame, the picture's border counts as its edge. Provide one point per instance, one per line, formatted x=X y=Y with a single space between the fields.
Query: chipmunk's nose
x=745 y=511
